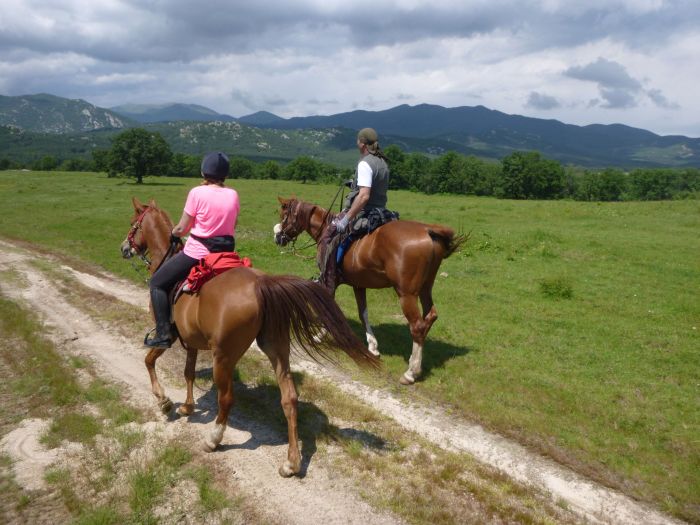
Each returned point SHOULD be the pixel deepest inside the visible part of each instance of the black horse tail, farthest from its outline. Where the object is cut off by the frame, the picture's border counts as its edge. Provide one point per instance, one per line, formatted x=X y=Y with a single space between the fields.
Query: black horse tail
x=307 y=310
x=446 y=236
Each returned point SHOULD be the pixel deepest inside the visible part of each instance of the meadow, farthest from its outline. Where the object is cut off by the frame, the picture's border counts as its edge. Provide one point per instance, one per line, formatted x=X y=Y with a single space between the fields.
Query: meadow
x=571 y=327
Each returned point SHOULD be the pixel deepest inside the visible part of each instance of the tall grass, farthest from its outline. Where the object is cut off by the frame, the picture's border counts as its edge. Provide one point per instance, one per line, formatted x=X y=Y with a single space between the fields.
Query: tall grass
x=570 y=326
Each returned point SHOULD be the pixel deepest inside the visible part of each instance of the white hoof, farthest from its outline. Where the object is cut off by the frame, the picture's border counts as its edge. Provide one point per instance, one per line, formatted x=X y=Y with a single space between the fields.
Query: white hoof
x=286 y=470
x=407 y=379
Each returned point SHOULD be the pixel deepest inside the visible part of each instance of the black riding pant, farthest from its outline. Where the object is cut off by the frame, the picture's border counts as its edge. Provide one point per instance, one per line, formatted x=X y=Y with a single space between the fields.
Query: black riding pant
x=173 y=270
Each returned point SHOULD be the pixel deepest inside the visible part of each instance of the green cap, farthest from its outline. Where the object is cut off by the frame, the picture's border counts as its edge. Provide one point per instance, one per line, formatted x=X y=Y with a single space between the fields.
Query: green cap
x=367 y=136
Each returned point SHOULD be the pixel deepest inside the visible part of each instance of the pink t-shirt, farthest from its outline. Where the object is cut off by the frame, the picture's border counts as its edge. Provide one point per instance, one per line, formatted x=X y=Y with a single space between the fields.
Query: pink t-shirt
x=214 y=210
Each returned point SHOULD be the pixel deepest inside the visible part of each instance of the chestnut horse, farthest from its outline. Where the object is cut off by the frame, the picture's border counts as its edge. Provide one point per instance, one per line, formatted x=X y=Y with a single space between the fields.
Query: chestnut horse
x=404 y=255
x=234 y=309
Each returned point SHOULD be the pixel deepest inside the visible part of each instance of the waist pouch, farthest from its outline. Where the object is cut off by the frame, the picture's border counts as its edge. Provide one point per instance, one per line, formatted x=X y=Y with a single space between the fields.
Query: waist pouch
x=220 y=243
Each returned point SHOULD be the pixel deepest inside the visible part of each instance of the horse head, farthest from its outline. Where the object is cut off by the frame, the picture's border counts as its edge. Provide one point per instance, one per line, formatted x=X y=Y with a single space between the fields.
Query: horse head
x=288 y=229
x=149 y=233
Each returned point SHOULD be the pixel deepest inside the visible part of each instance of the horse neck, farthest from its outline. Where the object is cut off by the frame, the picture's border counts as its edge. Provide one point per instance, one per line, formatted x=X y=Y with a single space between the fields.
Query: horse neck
x=319 y=219
x=157 y=232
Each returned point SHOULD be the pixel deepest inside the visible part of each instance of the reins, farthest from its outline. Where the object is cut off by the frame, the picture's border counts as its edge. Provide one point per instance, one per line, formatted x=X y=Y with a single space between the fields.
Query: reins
x=314 y=242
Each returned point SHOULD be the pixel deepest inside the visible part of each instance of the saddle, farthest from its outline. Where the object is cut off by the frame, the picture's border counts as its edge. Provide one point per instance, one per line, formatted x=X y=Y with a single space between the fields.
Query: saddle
x=363 y=225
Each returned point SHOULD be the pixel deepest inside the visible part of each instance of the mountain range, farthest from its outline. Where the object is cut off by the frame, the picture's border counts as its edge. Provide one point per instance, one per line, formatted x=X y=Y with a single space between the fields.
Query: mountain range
x=423 y=128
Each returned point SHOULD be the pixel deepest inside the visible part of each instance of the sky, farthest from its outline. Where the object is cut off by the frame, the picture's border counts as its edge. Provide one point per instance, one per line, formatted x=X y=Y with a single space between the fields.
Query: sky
x=634 y=62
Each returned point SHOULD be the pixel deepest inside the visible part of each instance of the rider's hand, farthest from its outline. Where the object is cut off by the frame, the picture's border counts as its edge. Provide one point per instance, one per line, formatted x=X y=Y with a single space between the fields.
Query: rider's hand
x=341 y=223
x=175 y=239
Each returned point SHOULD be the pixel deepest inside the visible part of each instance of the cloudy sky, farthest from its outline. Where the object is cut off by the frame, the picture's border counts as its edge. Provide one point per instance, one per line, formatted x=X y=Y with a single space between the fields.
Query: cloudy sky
x=635 y=62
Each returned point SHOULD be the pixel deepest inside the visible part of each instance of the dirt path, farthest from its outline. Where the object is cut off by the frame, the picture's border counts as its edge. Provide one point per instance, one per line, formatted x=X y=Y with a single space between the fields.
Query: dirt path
x=254 y=455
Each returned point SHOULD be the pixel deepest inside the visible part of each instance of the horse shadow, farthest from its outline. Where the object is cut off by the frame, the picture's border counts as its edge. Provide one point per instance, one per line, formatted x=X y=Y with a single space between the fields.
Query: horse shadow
x=395 y=340
x=258 y=412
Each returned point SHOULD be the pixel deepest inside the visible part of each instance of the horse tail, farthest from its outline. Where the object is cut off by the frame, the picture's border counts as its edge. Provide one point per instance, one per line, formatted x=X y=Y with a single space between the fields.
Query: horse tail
x=446 y=236
x=305 y=308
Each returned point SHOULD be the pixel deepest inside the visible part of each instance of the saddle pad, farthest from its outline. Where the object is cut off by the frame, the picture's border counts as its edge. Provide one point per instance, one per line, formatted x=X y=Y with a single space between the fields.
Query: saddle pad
x=211 y=266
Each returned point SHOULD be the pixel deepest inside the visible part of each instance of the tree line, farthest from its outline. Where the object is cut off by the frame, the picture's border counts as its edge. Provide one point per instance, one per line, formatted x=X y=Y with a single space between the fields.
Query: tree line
x=139 y=153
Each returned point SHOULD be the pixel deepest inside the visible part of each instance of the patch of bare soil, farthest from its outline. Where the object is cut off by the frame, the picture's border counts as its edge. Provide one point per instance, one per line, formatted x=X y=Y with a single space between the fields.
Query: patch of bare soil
x=251 y=453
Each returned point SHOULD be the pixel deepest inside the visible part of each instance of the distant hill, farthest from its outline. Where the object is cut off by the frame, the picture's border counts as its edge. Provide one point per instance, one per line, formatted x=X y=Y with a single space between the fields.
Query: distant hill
x=50 y=114
x=261 y=119
x=424 y=128
x=146 y=113
x=485 y=132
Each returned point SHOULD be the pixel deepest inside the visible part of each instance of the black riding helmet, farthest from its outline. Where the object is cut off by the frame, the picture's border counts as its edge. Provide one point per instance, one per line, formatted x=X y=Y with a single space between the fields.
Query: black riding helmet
x=215 y=165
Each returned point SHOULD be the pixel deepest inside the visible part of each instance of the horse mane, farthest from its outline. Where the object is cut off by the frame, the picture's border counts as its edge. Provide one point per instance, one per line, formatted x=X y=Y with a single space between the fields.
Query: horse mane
x=154 y=206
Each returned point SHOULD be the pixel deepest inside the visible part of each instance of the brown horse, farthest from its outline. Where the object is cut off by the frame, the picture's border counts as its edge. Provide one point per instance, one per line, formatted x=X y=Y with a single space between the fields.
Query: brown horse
x=234 y=309
x=404 y=255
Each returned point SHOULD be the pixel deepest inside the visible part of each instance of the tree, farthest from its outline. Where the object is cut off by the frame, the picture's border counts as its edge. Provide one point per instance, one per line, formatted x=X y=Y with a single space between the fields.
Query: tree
x=241 y=168
x=269 y=169
x=139 y=153
x=302 y=168
x=527 y=175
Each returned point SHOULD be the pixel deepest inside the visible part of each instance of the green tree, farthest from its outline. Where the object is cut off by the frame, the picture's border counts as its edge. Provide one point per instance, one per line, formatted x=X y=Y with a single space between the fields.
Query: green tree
x=100 y=160
x=139 y=153
x=302 y=168
x=528 y=175
x=607 y=185
x=269 y=169
x=241 y=168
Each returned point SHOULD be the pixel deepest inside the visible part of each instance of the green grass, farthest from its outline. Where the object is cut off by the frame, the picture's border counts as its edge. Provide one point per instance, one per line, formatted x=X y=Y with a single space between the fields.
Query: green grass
x=570 y=326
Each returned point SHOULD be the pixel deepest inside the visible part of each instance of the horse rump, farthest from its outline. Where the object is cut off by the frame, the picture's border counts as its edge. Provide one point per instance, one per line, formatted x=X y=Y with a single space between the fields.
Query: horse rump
x=307 y=310
x=446 y=236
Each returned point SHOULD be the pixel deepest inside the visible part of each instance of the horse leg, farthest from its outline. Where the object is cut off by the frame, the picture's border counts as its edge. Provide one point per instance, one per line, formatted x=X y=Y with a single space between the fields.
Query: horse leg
x=187 y=408
x=224 y=362
x=278 y=354
x=164 y=401
x=361 y=300
x=418 y=325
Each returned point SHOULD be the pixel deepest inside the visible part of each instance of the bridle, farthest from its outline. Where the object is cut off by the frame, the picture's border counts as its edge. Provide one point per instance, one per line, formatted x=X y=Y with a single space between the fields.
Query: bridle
x=143 y=252
x=289 y=233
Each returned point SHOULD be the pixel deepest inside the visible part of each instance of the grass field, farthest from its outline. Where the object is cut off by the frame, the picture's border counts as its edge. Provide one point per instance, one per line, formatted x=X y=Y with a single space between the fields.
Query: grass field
x=570 y=326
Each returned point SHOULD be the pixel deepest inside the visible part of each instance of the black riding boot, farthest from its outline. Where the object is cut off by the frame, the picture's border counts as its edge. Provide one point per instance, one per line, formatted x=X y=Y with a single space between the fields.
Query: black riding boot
x=161 y=311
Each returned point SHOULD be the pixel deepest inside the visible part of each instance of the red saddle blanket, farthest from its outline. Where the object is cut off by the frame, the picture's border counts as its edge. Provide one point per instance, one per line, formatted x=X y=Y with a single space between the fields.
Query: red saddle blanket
x=211 y=266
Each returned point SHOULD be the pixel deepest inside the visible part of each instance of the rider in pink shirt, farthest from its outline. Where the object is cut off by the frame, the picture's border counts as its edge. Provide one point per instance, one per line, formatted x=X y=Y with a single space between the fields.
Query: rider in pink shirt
x=210 y=216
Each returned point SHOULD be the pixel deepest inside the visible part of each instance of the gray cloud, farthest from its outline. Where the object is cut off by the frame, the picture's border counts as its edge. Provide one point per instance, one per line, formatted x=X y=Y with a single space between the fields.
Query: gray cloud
x=302 y=56
x=541 y=101
x=660 y=100
x=615 y=85
x=182 y=30
x=606 y=73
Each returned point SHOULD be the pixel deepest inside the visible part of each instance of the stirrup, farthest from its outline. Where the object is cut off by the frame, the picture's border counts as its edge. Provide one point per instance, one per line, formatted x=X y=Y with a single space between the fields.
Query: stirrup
x=153 y=341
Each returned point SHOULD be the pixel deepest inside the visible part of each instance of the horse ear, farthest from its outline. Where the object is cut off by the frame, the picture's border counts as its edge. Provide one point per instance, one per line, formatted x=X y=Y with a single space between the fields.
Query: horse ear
x=282 y=200
x=138 y=206
x=152 y=203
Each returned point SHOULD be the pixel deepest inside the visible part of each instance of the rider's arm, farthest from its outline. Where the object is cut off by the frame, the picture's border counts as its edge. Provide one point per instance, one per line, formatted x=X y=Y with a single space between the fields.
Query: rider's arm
x=182 y=227
x=358 y=202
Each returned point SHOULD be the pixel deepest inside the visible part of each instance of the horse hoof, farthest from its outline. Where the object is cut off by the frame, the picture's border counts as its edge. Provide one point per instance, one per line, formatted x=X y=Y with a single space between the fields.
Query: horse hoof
x=166 y=406
x=185 y=410
x=286 y=470
x=208 y=446
x=406 y=380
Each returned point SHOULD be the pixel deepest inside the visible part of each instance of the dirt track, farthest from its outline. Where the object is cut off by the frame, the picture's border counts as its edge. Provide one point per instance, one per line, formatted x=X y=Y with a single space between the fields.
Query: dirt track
x=252 y=453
